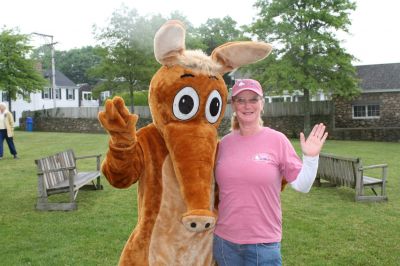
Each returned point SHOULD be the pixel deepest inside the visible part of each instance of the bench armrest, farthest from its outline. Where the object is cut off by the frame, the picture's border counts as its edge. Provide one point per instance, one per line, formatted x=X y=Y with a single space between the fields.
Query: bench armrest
x=383 y=173
x=373 y=166
x=88 y=156
x=56 y=170
x=97 y=156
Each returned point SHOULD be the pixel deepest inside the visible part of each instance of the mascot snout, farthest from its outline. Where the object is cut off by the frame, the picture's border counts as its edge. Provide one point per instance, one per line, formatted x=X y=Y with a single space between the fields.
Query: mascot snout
x=193 y=167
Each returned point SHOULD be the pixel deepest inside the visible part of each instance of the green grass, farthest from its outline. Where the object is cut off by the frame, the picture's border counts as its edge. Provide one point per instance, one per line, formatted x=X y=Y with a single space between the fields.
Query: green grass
x=323 y=227
x=327 y=227
x=92 y=235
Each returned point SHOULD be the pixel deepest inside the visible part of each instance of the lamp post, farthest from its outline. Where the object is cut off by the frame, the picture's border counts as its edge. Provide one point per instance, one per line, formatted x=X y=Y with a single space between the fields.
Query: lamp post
x=53 y=68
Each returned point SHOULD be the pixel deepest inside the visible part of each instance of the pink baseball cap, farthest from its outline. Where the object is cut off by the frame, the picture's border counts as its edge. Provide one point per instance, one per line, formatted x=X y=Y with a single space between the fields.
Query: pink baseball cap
x=246 y=84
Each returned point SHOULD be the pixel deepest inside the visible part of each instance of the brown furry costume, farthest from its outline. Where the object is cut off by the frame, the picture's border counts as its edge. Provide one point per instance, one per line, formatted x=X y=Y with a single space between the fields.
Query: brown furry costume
x=173 y=158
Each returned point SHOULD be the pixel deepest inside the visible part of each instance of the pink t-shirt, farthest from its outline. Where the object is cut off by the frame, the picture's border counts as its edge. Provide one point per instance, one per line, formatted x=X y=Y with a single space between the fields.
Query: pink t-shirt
x=249 y=172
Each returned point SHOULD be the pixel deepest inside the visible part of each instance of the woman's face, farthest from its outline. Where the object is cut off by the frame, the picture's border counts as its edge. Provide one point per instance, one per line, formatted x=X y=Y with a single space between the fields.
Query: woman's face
x=248 y=106
x=2 y=108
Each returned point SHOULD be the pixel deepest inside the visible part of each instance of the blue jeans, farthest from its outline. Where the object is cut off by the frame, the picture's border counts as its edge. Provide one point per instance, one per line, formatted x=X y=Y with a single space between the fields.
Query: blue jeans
x=230 y=254
x=10 y=142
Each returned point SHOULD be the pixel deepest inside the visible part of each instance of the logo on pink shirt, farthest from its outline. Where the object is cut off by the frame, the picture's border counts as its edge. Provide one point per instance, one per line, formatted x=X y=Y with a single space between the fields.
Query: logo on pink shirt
x=261 y=157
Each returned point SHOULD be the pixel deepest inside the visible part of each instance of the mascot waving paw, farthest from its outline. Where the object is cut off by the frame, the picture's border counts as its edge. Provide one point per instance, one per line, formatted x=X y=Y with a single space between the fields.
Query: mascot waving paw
x=172 y=159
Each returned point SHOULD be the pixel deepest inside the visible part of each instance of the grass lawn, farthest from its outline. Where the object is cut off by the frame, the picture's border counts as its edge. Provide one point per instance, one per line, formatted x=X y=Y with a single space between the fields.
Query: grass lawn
x=323 y=227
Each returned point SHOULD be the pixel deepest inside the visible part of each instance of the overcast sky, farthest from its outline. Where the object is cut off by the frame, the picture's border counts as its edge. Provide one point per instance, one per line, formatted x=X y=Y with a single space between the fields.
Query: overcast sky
x=374 y=39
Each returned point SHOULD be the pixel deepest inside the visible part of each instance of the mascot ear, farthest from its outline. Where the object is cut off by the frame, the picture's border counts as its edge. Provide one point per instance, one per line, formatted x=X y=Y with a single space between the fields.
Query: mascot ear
x=232 y=55
x=169 y=42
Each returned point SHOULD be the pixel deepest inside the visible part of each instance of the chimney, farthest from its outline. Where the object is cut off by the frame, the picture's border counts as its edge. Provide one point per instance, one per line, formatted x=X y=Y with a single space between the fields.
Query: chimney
x=38 y=66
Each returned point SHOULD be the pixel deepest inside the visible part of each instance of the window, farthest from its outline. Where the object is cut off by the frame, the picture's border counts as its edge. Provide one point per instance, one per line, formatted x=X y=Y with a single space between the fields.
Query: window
x=358 y=111
x=373 y=110
x=4 y=96
x=70 y=94
x=87 y=95
x=58 y=93
x=24 y=95
x=104 y=95
x=366 y=111
x=47 y=93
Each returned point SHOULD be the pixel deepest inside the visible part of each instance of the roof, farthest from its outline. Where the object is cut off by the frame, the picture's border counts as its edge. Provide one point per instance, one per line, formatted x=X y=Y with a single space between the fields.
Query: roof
x=85 y=87
x=379 y=78
x=61 y=79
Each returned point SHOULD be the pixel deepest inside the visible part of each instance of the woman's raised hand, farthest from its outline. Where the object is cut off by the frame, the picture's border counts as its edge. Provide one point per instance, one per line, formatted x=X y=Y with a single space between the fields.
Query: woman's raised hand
x=313 y=144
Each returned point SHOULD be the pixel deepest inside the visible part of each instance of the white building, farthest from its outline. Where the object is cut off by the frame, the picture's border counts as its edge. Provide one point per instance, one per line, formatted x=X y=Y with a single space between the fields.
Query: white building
x=86 y=97
x=66 y=95
x=285 y=96
x=296 y=96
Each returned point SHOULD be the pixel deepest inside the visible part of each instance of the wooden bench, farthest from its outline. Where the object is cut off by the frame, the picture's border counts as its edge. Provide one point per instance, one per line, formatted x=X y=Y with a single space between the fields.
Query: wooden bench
x=349 y=172
x=58 y=174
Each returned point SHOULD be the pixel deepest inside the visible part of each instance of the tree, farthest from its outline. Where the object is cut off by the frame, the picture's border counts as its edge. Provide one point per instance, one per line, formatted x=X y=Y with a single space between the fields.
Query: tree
x=74 y=63
x=128 y=61
x=18 y=74
x=307 y=54
x=192 y=39
x=216 y=32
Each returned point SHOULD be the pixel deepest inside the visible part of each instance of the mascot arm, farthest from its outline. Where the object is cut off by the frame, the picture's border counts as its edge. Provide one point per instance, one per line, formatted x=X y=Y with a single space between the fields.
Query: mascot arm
x=123 y=166
x=124 y=160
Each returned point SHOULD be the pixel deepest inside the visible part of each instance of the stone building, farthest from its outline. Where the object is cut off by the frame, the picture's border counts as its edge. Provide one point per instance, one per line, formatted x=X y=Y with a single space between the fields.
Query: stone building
x=375 y=113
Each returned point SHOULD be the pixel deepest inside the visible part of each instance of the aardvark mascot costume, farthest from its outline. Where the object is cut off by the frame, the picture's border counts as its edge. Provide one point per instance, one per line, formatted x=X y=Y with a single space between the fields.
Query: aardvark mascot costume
x=172 y=159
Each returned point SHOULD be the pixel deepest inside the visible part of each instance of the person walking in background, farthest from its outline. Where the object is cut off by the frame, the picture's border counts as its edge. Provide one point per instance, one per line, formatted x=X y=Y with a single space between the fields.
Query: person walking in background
x=6 y=130
x=251 y=162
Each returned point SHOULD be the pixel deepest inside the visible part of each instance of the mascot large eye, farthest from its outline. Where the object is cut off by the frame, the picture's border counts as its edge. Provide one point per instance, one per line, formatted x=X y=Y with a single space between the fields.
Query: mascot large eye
x=186 y=103
x=213 y=106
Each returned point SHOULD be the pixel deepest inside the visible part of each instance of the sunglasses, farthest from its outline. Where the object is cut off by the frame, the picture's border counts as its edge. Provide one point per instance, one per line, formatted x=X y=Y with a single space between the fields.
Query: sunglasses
x=242 y=101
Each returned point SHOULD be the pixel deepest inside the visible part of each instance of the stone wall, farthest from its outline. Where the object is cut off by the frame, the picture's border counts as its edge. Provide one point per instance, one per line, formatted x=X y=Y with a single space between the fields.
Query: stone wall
x=384 y=128
x=54 y=124
x=387 y=128
x=290 y=126
x=370 y=134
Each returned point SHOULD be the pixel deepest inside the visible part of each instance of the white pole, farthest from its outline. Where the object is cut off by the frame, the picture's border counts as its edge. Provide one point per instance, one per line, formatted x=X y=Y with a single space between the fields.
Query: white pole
x=53 y=67
x=53 y=73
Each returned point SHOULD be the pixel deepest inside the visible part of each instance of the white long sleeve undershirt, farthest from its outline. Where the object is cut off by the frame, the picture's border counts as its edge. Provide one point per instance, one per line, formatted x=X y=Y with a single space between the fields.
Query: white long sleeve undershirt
x=307 y=174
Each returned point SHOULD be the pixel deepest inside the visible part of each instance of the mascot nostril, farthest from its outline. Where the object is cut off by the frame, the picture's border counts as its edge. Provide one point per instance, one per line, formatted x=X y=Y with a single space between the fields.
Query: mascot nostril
x=172 y=159
x=197 y=223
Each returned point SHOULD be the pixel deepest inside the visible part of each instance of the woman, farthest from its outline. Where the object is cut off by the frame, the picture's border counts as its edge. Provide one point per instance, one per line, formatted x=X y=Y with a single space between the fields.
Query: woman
x=6 y=130
x=251 y=162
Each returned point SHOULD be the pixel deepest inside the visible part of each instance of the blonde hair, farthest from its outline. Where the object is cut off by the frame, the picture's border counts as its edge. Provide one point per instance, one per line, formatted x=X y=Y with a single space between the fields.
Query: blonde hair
x=3 y=105
x=235 y=122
